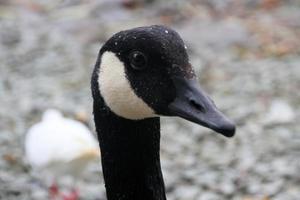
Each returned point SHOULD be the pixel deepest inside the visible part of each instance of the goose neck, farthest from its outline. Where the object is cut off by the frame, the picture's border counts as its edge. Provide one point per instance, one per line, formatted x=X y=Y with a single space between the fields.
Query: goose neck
x=130 y=156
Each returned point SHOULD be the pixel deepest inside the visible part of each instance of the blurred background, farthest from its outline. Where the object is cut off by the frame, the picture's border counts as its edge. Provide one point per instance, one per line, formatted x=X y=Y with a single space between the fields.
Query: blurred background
x=246 y=54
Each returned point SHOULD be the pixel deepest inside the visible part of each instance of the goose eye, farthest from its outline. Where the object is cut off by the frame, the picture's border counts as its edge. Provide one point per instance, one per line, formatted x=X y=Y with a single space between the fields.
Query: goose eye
x=138 y=60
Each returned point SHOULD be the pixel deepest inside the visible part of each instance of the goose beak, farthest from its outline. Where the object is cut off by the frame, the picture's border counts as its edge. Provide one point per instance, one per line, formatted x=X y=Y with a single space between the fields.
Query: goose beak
x=193 y=104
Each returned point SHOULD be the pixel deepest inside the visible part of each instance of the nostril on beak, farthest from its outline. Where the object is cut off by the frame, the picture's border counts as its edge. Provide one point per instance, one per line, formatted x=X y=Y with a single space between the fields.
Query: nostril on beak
x=196 y=105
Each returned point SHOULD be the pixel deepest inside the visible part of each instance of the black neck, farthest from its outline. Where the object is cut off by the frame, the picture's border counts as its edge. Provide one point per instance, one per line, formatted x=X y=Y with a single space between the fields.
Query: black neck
x=130 y=156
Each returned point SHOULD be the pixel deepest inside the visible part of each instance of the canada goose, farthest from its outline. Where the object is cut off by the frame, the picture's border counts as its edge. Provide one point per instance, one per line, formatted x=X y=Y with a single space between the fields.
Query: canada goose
x=60 y=146
x=141 y=74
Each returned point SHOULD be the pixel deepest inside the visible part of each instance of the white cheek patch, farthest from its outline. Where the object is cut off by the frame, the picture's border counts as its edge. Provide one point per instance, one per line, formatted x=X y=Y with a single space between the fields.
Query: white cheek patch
x=117 y=92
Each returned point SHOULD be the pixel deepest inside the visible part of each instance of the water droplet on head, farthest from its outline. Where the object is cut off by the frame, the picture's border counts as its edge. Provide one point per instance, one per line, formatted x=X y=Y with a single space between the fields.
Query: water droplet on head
x=116 y=43
x=166 y=31
x=185 y=46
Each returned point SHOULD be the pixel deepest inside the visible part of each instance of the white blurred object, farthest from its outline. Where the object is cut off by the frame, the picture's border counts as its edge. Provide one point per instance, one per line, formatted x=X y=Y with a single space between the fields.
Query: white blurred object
x=60 y=146
x=280 y=112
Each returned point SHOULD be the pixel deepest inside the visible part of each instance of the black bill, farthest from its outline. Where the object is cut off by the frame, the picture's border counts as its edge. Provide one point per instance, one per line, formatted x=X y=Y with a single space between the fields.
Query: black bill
x=192 y=103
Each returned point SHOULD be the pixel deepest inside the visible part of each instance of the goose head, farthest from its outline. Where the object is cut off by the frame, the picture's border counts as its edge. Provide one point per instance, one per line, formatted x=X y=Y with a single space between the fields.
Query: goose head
x=145 y=72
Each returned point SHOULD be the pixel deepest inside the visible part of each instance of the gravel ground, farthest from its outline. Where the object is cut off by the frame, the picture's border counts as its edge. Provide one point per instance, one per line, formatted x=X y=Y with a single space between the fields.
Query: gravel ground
x=247 y=55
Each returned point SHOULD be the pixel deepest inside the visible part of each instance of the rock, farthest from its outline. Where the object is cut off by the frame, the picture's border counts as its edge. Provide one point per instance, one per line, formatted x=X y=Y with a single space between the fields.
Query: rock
x=280 y=112
x=187 y=192
x=209 y=196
